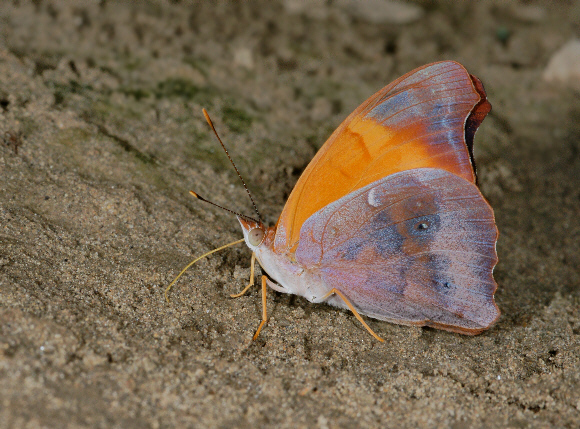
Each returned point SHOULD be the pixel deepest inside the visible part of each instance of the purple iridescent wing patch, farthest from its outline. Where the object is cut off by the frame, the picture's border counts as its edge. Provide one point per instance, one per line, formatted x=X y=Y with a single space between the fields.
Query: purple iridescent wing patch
x=416 y=247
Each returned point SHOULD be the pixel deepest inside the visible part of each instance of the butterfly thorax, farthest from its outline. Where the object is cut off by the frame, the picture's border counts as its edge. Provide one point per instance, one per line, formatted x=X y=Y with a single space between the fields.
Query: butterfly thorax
x=282 y=268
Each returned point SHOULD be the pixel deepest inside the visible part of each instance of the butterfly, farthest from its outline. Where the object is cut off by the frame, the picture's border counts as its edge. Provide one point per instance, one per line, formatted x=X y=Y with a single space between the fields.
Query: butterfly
x=387 y=219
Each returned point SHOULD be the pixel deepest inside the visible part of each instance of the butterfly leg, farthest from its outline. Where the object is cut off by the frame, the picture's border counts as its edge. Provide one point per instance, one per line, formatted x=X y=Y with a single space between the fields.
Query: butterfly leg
x=252 y=265
x=264 y=312
x=358 y=316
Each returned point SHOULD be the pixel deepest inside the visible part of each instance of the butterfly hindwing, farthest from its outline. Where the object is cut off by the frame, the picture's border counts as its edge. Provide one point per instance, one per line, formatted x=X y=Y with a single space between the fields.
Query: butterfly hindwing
x=416 y=247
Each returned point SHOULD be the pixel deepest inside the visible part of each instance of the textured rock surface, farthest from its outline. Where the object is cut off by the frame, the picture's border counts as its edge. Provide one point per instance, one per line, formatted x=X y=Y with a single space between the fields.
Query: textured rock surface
x=102 y=137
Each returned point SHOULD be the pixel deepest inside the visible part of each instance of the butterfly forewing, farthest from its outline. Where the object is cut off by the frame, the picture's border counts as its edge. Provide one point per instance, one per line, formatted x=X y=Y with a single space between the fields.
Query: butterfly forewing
x=426 y=118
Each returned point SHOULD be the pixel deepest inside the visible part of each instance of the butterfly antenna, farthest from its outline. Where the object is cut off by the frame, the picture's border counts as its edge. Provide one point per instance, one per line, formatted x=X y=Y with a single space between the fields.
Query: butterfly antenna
x=208 y=119
x=199 y=197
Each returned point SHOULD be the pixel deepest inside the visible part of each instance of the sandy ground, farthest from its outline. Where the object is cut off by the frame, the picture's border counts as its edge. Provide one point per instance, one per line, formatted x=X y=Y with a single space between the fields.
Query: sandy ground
x=102 y=137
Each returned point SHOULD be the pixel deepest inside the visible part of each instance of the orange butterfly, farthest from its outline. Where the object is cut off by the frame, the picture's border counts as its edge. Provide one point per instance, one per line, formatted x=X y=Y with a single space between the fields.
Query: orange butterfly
x=387 y=219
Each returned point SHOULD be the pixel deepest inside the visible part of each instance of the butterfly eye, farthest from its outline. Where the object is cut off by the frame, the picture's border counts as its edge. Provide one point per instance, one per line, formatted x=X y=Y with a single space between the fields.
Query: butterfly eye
x=255 y=236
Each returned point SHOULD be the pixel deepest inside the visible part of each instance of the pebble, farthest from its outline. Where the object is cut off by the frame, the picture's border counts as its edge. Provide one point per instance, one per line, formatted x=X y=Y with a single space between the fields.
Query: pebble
x=529 y=13
x=382 y=11
x=373 y=11
x=243 y=57
x=317 y=9
x=564 y=66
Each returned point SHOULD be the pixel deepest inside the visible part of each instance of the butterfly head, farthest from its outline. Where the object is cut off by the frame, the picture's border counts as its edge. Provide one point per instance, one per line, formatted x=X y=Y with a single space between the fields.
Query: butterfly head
x=254 y=232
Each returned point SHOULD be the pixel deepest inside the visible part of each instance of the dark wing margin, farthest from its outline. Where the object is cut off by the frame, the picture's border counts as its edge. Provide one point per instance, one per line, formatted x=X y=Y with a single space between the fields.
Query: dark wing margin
x=475 y=118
